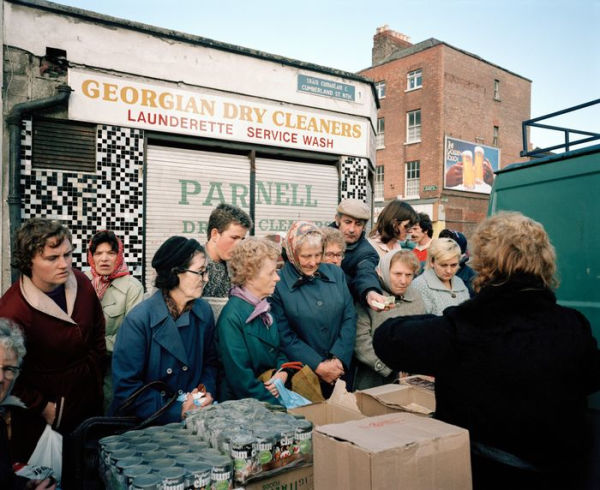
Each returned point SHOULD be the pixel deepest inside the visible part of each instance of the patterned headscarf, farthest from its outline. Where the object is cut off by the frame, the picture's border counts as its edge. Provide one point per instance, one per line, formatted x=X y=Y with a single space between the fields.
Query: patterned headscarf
x=101 y=283
x=297 y=231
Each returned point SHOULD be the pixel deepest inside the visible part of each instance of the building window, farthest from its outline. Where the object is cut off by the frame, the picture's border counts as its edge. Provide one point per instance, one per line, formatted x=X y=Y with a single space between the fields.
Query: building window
x=496 y=89
x=380 y=87
x=414 y=80
x=496 y=136
x=413 y=126
x=379 y=139
x=379 y=171
x=413 y=178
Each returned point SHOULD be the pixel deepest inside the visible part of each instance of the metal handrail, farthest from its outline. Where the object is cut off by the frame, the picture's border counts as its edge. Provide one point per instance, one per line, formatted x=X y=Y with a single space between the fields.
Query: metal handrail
x=566 y=131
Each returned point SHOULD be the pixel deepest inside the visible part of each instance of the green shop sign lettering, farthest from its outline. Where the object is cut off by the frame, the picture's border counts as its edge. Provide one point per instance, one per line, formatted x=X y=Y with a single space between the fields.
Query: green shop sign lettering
x=267 y=193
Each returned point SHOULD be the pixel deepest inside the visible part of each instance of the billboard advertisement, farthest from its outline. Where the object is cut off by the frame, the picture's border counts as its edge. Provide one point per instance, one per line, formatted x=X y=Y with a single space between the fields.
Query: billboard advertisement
x=469 y=166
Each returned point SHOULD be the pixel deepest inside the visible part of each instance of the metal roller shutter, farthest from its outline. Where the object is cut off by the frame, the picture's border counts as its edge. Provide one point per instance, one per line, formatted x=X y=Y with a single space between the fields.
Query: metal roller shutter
x=287 y=191
x=182 y=188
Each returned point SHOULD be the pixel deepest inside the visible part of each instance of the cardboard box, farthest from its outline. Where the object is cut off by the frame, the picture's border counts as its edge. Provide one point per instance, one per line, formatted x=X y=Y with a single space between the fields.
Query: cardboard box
x=340 y=407
x=394 y=398
x=295 y=479
x=399 y=450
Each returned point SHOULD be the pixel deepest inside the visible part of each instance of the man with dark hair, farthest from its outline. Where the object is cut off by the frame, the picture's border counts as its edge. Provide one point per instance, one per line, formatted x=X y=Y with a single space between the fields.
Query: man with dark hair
x=421 y=234
x=61 y=377
x=227 y=225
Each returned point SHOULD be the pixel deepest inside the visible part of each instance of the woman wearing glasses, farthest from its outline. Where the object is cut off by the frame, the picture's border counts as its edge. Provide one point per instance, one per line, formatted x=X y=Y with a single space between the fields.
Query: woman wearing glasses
x=169 y=336
x=392 y=226
x=334 y=246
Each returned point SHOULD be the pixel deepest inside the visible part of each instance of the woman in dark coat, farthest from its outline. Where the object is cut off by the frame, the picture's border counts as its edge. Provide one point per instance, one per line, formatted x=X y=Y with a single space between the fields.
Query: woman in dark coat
x=313 y=307
x=511 y=366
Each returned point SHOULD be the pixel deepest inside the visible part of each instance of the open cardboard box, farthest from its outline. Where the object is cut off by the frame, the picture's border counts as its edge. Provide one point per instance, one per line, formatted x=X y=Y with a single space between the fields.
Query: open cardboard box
x=296 y=478
x=391 y=398
x=340 y=407
x=398 y=450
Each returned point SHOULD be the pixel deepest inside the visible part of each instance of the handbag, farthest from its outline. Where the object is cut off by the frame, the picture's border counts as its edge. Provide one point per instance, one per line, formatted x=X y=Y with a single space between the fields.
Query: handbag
x=81 y=460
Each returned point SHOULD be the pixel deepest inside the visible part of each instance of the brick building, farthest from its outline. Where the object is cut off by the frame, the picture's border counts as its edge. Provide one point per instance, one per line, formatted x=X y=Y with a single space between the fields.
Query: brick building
x=438 y=105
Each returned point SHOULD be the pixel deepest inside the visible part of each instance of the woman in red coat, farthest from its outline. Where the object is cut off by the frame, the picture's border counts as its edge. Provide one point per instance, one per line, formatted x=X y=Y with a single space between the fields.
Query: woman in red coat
x=62 y=319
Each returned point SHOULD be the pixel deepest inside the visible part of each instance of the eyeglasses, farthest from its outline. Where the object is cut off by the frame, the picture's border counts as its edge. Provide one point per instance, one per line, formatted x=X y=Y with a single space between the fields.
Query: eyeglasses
x=333 y=255
x=203 y=273
x=10 y=372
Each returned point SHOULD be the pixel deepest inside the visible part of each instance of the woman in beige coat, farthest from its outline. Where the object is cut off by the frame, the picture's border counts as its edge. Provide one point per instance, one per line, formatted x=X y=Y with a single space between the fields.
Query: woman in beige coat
x=396 y=271
x=117 y=290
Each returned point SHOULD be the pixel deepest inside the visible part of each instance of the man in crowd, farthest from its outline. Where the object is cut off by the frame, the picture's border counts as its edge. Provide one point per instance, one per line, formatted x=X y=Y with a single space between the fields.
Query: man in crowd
x=360 y=259
x=421 y=234
x=227 y=225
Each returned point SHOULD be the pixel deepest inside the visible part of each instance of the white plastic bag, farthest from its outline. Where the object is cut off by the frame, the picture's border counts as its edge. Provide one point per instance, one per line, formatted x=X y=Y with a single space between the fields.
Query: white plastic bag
x=48 y=451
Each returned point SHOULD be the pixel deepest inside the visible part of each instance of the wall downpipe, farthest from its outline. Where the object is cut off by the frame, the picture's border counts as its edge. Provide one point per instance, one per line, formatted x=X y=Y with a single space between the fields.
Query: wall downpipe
x=14 y=119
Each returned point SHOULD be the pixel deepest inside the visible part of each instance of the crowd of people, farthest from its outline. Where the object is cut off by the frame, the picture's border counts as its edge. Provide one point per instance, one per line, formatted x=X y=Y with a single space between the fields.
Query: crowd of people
x=342 y=305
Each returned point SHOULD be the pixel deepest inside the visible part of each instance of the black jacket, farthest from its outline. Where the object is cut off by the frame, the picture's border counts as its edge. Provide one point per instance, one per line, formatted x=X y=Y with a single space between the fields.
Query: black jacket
x=511 y=366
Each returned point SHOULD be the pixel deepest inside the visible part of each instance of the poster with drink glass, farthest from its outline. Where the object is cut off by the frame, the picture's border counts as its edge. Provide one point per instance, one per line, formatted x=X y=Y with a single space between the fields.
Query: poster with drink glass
x=469 y=166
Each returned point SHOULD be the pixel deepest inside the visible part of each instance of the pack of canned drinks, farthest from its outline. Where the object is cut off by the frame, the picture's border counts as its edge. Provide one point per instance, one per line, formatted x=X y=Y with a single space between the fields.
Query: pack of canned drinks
x=218 y=447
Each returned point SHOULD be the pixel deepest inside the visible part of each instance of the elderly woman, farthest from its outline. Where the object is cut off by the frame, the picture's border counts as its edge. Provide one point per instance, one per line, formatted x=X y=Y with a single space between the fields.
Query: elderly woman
x=334 y=246
x=313 y=308
x=392 y=226
x=396 y=271
x=439 y=285
x=511 y=365
x=169 y=336
x=248 y=339
x=12 y=351
x=117 y=290
x=55 y=304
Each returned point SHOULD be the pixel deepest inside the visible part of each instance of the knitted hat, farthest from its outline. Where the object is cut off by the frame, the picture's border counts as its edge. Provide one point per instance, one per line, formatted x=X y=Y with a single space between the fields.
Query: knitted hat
x=174 y=253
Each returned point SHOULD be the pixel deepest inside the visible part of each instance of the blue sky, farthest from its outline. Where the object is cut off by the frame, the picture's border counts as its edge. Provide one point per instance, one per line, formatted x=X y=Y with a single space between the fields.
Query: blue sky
x=554 y=43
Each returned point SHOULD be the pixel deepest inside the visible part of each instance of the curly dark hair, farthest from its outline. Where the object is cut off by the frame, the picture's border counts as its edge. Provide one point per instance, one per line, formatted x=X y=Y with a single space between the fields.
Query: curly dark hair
x=425 y=224
x=104 y=236
x=32 y=237
x=225 y=214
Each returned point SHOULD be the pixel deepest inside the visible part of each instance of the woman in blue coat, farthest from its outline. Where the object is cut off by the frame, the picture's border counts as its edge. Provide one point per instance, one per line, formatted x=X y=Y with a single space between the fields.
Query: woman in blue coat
x=169 y=336
x=313 y=308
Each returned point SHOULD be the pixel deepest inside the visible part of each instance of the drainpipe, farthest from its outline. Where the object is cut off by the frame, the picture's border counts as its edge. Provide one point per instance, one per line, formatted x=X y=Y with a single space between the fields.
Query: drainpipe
x=14 y=118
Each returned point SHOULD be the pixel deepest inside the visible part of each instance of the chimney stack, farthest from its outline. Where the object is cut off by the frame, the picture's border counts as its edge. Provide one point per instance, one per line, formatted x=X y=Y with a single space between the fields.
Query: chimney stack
x=386 y=42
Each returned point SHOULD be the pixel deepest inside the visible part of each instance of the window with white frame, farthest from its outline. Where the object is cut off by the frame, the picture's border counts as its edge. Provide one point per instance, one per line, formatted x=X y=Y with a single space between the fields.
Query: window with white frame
x=380 y=87
x=379 y=138
x=413 y=126
x=379 y=172
x=496 y=89
x=414 y=79
x=413 y=178
x=496 y=136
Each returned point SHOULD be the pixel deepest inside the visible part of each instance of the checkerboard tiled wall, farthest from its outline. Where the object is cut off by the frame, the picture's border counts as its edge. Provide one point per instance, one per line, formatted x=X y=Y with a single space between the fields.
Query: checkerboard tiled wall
x=111 y=198
x=355 y=179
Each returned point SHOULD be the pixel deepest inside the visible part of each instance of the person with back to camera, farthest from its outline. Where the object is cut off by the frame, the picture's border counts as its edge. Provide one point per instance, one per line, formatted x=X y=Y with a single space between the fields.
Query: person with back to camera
x=169 y=336
x=396 y=271
x=62 y=374
x=393 y=224
x=511 y=365
x=438 y=285
x=247 y=336
x=464 y=271
x=117 y=290
x=313 y=308
x=12 y=351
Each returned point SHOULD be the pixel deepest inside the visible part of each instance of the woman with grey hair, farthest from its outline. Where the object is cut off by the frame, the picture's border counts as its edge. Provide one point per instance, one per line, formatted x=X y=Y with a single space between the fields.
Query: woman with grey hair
x=12 y=351
x=312 y=307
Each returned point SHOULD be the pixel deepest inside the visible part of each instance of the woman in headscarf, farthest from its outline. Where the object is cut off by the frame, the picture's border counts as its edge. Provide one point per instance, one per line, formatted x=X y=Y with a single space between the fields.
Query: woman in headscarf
x=117 y=290
x=313 y=308
x=169 y=336
x=396 y=271
x=247 y=337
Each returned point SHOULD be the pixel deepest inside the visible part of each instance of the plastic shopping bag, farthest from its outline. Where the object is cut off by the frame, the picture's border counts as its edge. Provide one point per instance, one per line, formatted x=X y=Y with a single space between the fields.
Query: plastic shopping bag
x=48 y=451
x=290 y=399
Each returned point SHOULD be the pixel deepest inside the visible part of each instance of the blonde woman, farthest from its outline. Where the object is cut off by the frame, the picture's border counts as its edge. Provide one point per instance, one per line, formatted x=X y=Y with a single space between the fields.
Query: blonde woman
x=439 y=285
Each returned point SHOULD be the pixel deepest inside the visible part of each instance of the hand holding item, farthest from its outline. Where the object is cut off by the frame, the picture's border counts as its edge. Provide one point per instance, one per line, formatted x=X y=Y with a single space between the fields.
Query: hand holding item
x=376 y=301
x=454 y=175
x=270 y=385
x=47 y=484
x=330 y=370
x=488 y=172
x=49 y=412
